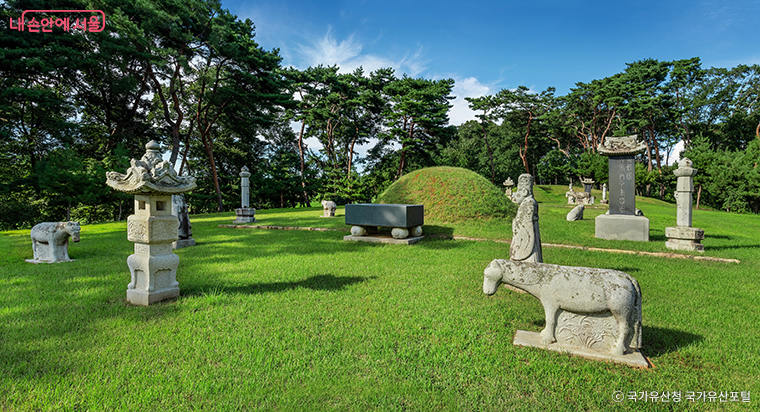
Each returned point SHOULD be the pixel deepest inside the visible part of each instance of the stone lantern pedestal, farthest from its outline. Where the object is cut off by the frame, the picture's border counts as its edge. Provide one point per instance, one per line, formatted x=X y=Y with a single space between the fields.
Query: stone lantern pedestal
x=153 y=266
x=153 y=227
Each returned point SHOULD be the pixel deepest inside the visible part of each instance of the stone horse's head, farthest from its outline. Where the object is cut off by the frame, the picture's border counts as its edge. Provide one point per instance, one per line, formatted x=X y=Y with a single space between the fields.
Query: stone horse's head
x=492 y=276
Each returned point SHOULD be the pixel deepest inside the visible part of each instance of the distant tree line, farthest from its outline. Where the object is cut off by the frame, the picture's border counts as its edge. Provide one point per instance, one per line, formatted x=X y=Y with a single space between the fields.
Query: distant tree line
x=190 y=75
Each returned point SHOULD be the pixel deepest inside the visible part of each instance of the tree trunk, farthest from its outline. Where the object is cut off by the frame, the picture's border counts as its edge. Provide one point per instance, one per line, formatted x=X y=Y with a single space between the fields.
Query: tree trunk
x=699 y=193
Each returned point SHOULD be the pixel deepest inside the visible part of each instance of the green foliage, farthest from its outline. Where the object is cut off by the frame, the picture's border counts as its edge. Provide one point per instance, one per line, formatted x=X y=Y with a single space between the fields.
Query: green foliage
x=450 y=194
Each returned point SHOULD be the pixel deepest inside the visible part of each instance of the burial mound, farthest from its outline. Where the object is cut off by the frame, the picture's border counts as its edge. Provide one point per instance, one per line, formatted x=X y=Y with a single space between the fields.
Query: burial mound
x=450 y=194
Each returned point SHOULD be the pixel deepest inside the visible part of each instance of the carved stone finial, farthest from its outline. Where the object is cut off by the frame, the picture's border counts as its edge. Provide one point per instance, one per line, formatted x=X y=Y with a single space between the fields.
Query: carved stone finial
x=150 y=175
x=620 y=146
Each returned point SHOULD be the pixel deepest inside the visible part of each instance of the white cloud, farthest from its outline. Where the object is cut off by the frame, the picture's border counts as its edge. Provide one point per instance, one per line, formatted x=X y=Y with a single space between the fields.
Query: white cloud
x=347 y=54
x=468 y=87
x=328 y=51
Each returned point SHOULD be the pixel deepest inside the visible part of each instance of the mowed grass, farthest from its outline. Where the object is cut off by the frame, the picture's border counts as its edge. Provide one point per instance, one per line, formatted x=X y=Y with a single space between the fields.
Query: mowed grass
x=301 y=320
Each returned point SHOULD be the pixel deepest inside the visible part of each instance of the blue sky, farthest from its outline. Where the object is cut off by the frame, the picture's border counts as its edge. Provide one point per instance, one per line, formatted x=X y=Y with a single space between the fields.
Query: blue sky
x=486 y=46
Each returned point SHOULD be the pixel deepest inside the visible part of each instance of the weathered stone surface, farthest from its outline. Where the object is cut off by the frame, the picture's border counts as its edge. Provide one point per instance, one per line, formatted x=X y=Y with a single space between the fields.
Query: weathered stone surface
x=50 y=241
x=385 y=215
x=588 y=184
x=622 y=227
x=244 y=214
x=526 y=237
x=358 y=231
x=577 y=303
x=576 y=213
x=533 y=339
x=399 y=233
x=684 y=237
x=604 y=193
x=151 y=174
x=622 y=146
x=328 y=208
x=153 y=227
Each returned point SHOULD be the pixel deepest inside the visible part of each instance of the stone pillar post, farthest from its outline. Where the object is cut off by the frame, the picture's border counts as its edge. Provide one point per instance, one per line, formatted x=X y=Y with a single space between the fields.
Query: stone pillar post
x=604 y=194
x=245 y=214
x=153 y=227
x=683 y=236
x=244 y=185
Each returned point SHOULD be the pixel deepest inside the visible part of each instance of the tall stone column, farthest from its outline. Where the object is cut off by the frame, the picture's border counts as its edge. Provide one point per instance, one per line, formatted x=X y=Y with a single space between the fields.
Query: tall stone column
x=245 y=214
x=153 y=227
x=683 y=236
x=621 y=222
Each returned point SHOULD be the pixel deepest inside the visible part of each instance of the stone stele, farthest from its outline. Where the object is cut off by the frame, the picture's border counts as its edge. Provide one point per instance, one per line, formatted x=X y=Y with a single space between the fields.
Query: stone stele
x=622 y=222
x=153 y=227
x=594 y=313
x=50 y=241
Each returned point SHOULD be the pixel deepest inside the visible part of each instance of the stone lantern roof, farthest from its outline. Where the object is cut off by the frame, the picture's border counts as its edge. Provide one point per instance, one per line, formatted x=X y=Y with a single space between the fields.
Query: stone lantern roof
x=150 y=175
x=621 y=146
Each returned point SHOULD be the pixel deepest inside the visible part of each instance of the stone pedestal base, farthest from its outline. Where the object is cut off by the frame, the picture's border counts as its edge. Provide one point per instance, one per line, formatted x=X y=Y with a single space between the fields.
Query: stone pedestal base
x=622 y=227
x=245 y=215
x=154 y=274
x=533 y=339
x=685 y=238
x=183 y=243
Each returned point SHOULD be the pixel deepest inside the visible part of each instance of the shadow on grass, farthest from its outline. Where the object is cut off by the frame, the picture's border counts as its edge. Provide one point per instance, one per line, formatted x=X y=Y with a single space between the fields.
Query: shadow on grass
x=326 y=282
x=659 y=341
x=734 y=247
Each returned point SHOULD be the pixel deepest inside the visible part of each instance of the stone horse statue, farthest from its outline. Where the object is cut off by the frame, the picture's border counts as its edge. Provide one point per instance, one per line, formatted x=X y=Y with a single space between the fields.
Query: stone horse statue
x=574 y=289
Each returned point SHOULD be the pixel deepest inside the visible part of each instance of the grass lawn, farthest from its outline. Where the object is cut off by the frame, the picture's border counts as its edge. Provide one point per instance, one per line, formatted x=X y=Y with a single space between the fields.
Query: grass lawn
x=301 y=320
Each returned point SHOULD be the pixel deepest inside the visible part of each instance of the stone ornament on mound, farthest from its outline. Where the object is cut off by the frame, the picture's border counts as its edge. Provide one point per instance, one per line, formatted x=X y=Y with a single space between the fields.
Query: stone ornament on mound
x=622 y=222
x=50 y=241
x=153 y=227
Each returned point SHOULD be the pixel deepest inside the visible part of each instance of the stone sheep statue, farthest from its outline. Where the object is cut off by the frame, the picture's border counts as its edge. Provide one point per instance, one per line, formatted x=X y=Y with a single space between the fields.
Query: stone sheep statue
x=328 y=207
x=574 y=289
x=50 y=241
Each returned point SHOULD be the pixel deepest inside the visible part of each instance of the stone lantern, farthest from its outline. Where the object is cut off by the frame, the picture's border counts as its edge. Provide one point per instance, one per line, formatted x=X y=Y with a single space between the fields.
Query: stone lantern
x=509 y=184
x=622 y=222
x=153 y=227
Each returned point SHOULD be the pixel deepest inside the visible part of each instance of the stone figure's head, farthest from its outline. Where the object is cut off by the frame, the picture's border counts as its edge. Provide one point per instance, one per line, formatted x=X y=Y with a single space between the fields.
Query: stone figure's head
x=73 y=229
x=524 y=187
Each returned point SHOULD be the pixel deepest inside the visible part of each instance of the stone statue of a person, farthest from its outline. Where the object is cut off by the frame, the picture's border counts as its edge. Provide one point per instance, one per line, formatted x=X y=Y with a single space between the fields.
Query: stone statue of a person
x=526 y=239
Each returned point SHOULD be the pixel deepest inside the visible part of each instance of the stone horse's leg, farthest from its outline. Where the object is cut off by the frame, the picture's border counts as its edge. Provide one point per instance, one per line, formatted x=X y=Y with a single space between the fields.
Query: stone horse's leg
x=550 y=311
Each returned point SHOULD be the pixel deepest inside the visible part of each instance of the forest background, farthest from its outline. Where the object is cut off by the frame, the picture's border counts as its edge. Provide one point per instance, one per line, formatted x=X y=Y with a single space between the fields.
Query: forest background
x=190 y=75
